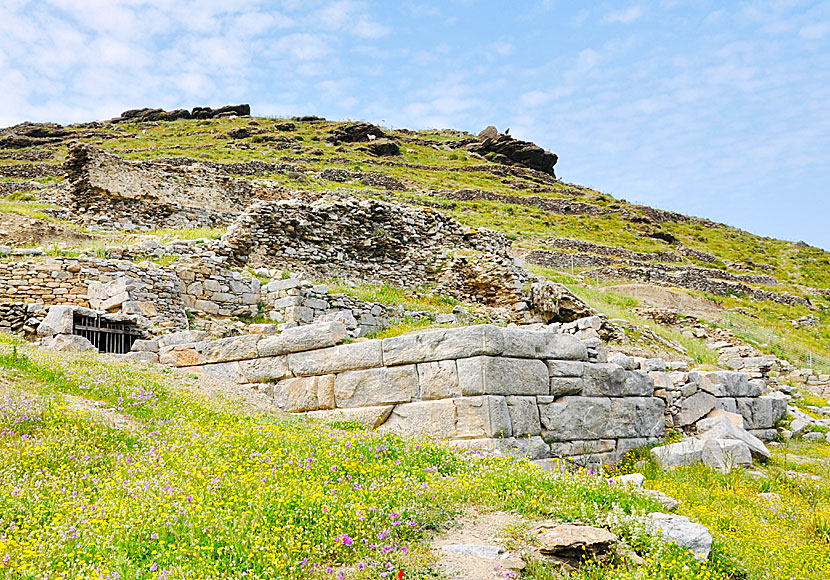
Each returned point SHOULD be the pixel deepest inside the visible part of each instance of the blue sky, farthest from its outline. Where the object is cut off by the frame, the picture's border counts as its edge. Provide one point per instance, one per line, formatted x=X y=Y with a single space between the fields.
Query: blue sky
x=716 y=109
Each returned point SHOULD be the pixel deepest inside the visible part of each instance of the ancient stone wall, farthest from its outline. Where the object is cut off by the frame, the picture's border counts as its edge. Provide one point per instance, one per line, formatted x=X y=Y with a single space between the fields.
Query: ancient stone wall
x=209 y=287
x=506 y=390
x=142 y=290
x=350 y=238
x=13 y=316
x=107 y=190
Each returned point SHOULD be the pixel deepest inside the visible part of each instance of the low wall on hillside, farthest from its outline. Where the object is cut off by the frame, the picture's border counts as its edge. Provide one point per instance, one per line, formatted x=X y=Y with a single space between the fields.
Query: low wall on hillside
x=531 y=393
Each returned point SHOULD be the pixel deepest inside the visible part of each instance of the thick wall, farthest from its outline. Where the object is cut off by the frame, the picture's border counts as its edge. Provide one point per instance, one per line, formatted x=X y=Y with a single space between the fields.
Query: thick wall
x=530 y=393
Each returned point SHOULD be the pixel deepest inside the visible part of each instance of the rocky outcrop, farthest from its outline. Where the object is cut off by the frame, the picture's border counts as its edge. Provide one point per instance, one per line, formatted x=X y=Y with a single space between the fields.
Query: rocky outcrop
x=355 y=133
x=509 y=151
x=31 y=135
x=148 y=114
x=558 y=205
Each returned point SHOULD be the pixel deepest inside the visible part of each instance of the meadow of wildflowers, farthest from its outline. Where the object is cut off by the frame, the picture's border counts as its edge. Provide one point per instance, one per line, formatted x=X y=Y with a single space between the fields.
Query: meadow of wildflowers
x=194 y=487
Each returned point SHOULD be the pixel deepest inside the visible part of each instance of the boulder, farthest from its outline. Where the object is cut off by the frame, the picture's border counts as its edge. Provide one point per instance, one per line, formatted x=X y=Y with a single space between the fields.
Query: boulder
x=59 y=320
x=505 y=149
x=68 y=343
x=683 y=532
x=383 y=147
x=573 y=544
x=720 y=454
x=490 y=132
x=355 y=132
x=723 y=428
x=695 y=407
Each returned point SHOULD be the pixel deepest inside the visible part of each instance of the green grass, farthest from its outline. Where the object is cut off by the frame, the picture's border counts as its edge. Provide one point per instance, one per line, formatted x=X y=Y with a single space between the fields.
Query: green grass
x=198 y=487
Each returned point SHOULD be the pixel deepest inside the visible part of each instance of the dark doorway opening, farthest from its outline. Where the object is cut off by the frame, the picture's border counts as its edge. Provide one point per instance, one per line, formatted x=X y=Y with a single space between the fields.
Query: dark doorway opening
x=107 y=335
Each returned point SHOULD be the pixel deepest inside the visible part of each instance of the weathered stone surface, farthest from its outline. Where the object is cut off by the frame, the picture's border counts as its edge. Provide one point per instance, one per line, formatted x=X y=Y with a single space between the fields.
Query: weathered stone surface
x=683 y=532
x=632 y=479
x=573 y=544
x=466 y=341
x=68 y=343
x=213 y=351
x=385 y=385
x=565 y=368
x=734 y=417
x=483 y=416
x=302 y=338
x=145 y=346
x=694 y=408
x=371 y=417
x=142 y=356
x=581 y=418
x=305 y=393
x=530 y=447
x=610 y=380
x=566 y=386
x=345 y=357
x=477 y=550
x=485 y=375
x=438 y=380
x=761 y=412
x=227 y=372
x=542 y=344
x=625 y=361
x=59 y=320
x=725 y=383
x=721 y=454
x=434 y=419
x=592 y=447
x=524 y=416
x=262 y=370
x=723 y=428
x=182 y=337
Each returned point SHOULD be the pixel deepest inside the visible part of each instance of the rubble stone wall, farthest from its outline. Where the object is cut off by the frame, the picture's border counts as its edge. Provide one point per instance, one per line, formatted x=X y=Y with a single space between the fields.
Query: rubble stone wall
x=505 y=390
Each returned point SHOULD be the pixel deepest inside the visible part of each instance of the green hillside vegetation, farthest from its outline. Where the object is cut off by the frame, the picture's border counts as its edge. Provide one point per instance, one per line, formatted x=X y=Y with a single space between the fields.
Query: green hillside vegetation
x=432 y=165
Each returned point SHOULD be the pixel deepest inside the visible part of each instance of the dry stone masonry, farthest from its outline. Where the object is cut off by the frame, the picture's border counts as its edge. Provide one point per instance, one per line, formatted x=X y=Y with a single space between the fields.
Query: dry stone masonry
x=532 y=393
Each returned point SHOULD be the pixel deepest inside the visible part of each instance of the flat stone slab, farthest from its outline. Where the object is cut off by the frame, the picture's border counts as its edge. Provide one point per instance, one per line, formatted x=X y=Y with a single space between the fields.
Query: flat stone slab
x=452 y=343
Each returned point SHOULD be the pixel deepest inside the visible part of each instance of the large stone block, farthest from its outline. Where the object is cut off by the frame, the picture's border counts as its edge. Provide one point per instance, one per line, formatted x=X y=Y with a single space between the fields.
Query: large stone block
x=761 y=412
x=302 y=338
x=385 y=385
x=542 y=344
x=485 y=375
x=227 y=372
x=611 y=380
x=211 y=351
x=722 y=428
x=524 y=416
x=725 y=383
x=450 y=343
x=565 y=368
x=371 y=417
x=304 y=393
x=695 y=407
x=438 y=380
x=434 y=419
x=592 y=447
x=263 y=370
x=484 y=416
x=530 y=447
x=566 y=386
x=59 y=320
x=582 y=418
x=345 y=357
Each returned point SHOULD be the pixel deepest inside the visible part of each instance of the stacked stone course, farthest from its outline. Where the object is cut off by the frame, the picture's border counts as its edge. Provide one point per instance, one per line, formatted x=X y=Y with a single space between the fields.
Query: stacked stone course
x=534 y=393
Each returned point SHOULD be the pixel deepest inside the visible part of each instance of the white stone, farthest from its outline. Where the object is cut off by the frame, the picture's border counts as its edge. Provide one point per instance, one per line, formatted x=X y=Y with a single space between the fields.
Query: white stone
x=59 y=320
x=438 y=380
x=683 y=532
x=385 y=385
x=485 y=375
x=723 y=428
x=466 y=341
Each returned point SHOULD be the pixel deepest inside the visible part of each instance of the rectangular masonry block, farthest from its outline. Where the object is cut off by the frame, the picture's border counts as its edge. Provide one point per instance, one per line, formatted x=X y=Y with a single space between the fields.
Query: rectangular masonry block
x=451 y=343
x=543 y=345
x=261 y=370
x=565 y=368
x=304 y=393
x=484 y=416
x=376 y=386
x=502 y=376
x=438 y=380
x=434 y=419
x=524 y=416
x=572 y=418
x=611 y=380
x=302 y=338
x=345 y=357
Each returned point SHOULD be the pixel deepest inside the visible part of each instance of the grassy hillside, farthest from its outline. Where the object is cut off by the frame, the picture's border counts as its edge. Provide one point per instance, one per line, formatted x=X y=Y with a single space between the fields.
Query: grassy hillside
x=112 y=472
x=432 y=166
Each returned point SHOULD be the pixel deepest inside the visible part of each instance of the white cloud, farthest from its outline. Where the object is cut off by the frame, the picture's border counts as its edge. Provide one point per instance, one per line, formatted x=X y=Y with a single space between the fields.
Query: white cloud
x=624 y=16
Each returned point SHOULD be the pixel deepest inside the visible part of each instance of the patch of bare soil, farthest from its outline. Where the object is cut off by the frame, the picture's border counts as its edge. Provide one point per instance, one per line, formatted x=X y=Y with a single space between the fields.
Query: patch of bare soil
x=475 y=548
x=22 y=230
x=671 y=299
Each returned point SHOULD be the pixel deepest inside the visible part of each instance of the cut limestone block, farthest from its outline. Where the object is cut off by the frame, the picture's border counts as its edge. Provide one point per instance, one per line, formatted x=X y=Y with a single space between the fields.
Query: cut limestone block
x=305 y=393
x=466 y=341
x=434 y=419
x=335 y=359
x=483 y=416
x=386 y=385
x=486 y=375
x=572 y=418
x=524 y=416
x=371 y=417
x=438 y=380
x=302 y=338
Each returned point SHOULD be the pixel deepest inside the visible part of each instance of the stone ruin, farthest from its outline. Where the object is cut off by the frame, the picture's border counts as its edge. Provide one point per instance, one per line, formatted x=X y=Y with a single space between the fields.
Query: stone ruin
x=510 y=391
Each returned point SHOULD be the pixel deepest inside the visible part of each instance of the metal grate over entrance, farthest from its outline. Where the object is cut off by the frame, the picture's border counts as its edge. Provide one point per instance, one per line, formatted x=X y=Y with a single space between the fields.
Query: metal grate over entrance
x=106 y=335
